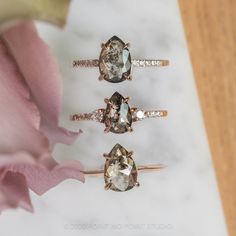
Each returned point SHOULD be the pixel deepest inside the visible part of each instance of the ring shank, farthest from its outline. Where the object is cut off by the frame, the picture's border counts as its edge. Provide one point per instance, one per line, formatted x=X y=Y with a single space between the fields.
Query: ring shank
x=141 y=168
x=135 y=62
x=137 y=115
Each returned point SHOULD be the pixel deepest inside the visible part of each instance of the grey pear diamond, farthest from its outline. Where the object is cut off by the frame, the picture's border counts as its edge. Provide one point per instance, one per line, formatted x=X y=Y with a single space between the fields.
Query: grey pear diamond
x=118 y=117
x=115 y=61
x=120 y=172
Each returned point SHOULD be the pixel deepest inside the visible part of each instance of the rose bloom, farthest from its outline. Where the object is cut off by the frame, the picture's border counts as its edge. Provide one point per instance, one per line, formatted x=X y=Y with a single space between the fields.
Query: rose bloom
x=30 y=102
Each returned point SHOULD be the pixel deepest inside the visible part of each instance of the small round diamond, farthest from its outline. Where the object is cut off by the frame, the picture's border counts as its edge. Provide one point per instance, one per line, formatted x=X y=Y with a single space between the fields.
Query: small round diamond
x=140 y=114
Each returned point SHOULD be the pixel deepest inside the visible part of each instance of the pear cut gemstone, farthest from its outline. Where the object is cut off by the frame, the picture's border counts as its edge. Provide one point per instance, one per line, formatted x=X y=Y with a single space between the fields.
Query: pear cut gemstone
x=118 y=117
x=115 y=61
x=120 y=171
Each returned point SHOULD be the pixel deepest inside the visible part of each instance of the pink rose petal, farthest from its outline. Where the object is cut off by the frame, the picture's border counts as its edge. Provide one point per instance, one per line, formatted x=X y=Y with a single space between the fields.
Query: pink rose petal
x=41 y=175
x=40 y=179
x=14 y=192
x=58 y=134
x=41 y=73
x=19 y=117
x=38 y=66
x=30 y=101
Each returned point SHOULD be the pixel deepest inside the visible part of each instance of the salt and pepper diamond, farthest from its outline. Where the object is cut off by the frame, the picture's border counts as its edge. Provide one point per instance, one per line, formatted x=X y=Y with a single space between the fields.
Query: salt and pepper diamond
x=115 y=61
x=120 y=172
x=117 y=117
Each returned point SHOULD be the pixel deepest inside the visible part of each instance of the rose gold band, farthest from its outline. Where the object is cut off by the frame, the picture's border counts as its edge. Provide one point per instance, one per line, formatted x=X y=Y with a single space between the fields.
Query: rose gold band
x=141 y=168
x=137 y=115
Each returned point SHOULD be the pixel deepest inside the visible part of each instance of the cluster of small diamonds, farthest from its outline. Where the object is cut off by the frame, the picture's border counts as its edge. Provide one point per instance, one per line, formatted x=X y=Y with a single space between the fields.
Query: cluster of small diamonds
x=97 y=115
x=86 y=63
x=144 y=63
x=153 y=114
x=138 y=114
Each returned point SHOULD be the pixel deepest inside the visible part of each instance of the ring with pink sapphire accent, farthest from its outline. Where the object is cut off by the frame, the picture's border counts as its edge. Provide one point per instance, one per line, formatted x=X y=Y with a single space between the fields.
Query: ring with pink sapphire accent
x=118 y=116
x=115 y=63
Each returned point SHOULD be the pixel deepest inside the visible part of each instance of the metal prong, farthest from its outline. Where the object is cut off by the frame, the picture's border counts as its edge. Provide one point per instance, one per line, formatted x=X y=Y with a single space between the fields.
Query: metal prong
x=127 y=99
x=129 y=77
x=127 y=45
x=103 y=45
x=137 y=184
x=107 y=186
x=130 y=153
x=107 y=101
x=107 y=129
x=130 y=129
x=106 y=155
x=101 y=77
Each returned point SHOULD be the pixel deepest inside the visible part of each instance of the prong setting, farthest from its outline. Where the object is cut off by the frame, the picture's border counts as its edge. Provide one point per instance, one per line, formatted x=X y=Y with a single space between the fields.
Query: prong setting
x=107 y=186
x=107 y=130
x=129 y=77
x=103 y=46
x=106 y=155
x=127 y=99
x=101 y=77
x=130 y=129
x=130 y=154
x=127 y=45
x=107 y=101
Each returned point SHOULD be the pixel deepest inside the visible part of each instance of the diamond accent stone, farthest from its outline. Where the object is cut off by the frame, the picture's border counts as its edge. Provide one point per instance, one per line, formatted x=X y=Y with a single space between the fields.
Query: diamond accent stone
x=138 y=114
x=115 y=61
x=120 y=171
x=98 y=115
x=118 y=117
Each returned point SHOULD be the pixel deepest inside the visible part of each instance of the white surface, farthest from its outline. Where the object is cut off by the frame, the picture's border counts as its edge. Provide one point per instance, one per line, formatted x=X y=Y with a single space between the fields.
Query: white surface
x=181 y=200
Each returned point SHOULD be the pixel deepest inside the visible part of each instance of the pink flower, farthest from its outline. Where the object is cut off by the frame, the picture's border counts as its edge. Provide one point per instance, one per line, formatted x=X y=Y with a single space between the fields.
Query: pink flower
x=30 y=102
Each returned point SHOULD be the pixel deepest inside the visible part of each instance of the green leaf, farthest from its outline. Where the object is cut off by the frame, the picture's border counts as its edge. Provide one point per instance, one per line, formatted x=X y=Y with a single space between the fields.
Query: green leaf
x=13 y=11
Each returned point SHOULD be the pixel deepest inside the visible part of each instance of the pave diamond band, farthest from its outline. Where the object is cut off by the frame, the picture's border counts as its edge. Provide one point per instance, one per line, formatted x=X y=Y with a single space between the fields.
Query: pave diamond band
x=97 y=115
x=136 y=63
x=86 y=63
